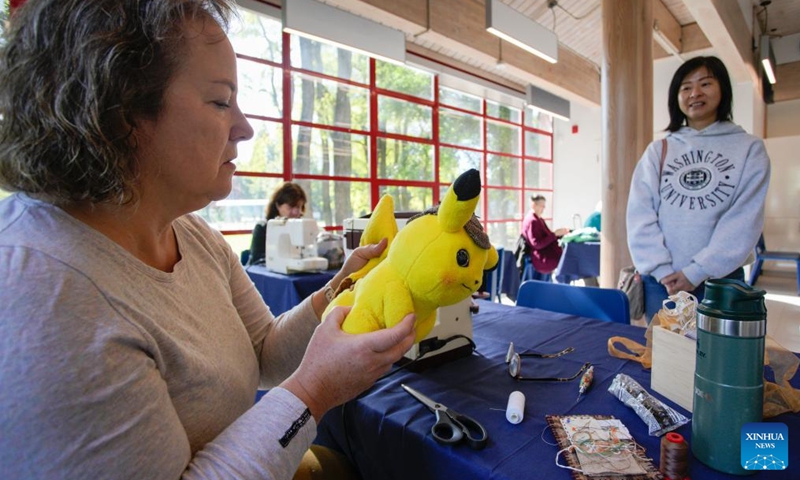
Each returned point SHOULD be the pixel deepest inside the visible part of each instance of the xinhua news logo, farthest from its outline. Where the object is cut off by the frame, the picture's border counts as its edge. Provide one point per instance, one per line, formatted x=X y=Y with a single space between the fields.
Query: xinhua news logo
x=765 y=446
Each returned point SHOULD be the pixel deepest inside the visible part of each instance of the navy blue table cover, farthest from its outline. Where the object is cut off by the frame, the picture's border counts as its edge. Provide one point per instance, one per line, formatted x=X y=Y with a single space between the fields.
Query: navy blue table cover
x=282 y=292
x=386 y=432
x=578 y=260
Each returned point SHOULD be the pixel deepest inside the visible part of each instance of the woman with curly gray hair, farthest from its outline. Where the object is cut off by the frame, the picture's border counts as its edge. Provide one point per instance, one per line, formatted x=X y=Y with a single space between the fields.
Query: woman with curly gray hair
x=132 y=340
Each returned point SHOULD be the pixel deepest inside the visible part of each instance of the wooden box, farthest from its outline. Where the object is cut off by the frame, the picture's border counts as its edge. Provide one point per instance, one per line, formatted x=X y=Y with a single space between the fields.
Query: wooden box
x=672 y=374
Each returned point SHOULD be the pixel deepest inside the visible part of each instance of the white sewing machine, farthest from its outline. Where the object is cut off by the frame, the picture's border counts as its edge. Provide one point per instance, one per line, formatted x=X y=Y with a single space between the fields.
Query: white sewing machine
x=450 y=320
x=292 y=246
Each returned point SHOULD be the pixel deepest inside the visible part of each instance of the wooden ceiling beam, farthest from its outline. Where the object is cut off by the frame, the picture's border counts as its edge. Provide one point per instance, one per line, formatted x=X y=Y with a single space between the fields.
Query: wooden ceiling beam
x=788 y=85
x=666 y=29
x=460 y=26
x=420 y=51
x=692 y=40
x=724 y=24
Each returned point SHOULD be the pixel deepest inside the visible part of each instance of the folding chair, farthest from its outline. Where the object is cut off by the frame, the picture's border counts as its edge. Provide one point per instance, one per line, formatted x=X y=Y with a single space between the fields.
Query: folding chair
x=608 y=304
x=763 y=254
x=530 y=273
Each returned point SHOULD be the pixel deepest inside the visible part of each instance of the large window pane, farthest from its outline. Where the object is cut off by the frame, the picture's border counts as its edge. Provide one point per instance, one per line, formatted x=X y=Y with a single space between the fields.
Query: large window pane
x=239 y=242
x=409 y=199
x=538 y=119
x=330 y=202
x=538 y=145
x=505 y=234
x=319 y=102
x=538 y=174
x=328 y=102
x=399 y=160
x=501 y=137
x=453 y=162
x=465 y=101
x=404 y=118
x=503 y=204
x=264 y=152
x=244 y=206
x=503 y=171
x=459 y=128
x=403 y=79
x=327 y=152
x=256 y=35
x=260 y=88
x=328 y=59
x=503 y=112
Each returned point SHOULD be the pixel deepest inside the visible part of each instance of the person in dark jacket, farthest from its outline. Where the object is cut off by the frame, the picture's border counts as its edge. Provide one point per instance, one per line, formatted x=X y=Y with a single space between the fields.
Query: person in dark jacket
x=545 y=251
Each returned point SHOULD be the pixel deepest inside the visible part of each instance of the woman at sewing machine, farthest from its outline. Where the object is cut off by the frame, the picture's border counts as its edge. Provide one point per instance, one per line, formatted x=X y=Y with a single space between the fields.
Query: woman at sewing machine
x=288 y=200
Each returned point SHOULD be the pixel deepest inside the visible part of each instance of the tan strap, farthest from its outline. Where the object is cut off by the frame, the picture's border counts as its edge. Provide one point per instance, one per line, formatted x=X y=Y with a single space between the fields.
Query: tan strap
x=641 y=354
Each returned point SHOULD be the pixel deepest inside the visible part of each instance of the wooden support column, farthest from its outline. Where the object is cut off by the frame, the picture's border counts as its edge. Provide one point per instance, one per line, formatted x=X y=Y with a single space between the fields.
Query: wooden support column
x=627 y=109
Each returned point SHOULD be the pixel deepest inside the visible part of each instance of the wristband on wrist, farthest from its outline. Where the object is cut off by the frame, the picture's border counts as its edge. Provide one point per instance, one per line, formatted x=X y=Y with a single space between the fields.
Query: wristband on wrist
x=328 y=291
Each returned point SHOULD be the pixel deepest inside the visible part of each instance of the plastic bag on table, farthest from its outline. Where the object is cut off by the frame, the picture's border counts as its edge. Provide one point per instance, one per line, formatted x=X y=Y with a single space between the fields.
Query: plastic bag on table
x=682 y=318
x=659 y=418
x=780 y=397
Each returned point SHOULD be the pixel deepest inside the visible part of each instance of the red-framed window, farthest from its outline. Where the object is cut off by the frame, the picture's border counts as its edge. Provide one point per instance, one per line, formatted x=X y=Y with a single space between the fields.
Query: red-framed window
x=349 y=129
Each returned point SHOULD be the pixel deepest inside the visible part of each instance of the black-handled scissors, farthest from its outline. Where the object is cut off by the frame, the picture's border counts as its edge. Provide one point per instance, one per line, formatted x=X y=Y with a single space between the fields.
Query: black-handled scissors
x=451 y=427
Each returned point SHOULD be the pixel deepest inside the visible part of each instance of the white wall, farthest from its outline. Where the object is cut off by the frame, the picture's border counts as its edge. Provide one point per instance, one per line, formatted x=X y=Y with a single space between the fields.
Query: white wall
x=783 y=119
x=576 y=169
x=782 y=211
x=663 y=69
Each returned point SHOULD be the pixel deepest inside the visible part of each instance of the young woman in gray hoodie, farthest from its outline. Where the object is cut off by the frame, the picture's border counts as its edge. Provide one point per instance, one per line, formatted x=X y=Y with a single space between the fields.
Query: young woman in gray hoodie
x=696 y=210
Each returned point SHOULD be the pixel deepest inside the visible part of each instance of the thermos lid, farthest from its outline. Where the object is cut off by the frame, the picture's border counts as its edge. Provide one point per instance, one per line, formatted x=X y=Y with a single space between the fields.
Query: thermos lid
x=732 y=299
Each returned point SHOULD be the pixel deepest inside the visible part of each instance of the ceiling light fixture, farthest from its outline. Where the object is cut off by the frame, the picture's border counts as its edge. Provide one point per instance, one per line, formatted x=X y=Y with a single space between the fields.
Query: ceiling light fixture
x=547 y=102
x=324 y=23
x=768 y=58
x=766 y=55
x=513 y=27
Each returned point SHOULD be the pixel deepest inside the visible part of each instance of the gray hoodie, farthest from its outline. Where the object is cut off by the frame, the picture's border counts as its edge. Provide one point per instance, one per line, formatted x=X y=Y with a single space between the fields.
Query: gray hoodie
x=704 y=212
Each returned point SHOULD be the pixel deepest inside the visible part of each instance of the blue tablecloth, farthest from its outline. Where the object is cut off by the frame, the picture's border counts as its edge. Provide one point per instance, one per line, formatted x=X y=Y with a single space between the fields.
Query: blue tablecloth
x=386 y=432
x=578 y=260
x=282 y=292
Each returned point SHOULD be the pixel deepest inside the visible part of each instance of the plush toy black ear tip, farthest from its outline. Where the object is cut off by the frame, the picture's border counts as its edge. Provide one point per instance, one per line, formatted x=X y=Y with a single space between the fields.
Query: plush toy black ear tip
x=468 y=185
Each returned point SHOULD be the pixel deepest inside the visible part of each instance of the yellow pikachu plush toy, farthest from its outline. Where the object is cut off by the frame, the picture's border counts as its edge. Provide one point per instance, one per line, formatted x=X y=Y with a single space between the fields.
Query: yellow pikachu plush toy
x=436 y=260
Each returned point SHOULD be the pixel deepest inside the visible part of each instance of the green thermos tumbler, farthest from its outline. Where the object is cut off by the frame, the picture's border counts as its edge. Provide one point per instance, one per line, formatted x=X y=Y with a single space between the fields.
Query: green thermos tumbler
x=729 y=372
